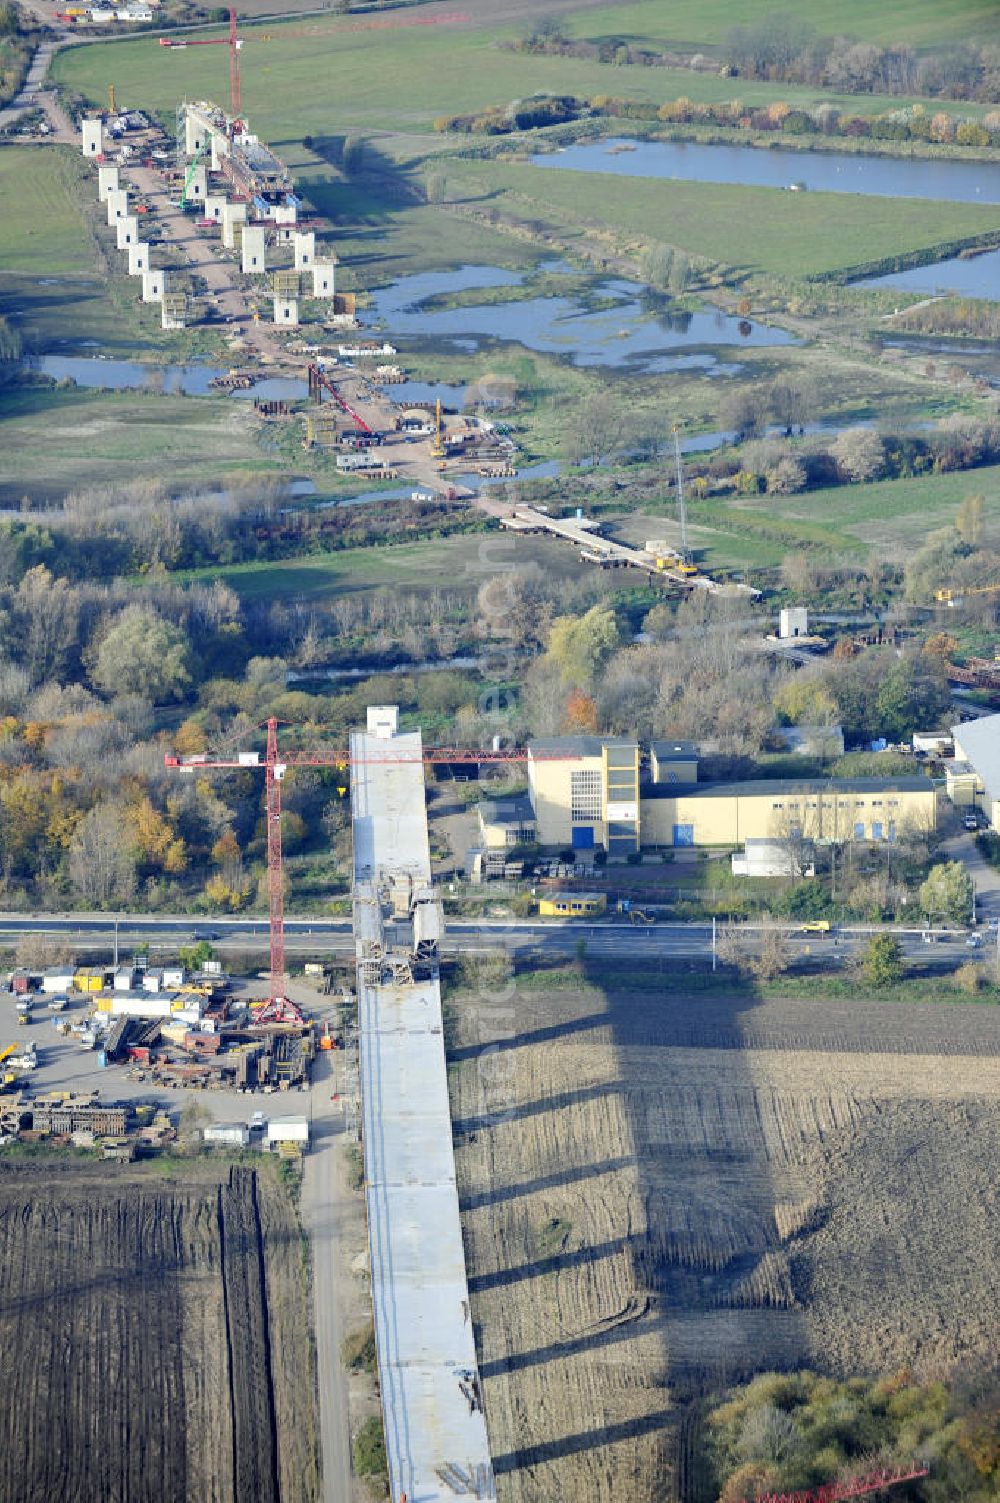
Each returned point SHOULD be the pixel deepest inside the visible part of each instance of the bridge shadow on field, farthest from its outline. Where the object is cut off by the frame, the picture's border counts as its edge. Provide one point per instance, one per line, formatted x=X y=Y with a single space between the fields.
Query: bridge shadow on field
x=630 y=1212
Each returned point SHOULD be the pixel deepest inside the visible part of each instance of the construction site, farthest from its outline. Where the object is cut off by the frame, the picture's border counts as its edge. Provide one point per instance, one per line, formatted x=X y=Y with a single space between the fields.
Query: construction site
x=183 y=1031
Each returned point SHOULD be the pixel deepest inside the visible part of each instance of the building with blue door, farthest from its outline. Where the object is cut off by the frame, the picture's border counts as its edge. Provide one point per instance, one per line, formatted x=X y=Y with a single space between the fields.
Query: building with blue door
x=595 y=793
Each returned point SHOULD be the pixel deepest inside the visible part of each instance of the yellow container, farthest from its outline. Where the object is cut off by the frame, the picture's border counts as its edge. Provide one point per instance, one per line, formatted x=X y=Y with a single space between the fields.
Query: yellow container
x=572 y=904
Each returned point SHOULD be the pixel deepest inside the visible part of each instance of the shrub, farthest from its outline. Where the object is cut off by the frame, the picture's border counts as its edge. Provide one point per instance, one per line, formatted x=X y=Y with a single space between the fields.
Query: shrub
x=882 y=963
x=369 y=1449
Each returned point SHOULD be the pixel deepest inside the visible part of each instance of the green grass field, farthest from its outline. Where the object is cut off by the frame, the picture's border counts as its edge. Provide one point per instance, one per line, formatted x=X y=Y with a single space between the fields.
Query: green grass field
x=921 y=23
x=458 y=563
x=314 y=77
x=48 y=238
x=895 y=515
x=756 y=229
x=52 y=442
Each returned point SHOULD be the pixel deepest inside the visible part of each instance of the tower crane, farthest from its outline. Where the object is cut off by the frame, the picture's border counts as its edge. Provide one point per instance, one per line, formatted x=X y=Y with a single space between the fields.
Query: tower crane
x=853 y=1487
x=275 y=764
x=233 y=42
x=319 y=382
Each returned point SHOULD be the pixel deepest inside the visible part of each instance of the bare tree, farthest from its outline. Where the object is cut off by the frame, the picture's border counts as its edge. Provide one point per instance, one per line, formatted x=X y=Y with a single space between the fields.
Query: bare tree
x=860 y=453
x=102 y=864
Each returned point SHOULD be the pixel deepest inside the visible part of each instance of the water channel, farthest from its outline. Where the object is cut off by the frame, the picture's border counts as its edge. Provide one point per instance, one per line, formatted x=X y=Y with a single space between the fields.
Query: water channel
x=967 y=276
x=782 y=167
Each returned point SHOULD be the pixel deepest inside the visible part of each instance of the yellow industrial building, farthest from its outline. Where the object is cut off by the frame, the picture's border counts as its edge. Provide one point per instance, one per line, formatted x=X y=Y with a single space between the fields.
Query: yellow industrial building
x=588 y=792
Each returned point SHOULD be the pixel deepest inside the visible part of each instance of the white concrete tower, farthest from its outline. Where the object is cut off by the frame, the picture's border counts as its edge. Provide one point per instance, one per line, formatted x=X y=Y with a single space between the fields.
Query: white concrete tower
x=214 y=205
x=253 y=250
x=92 y=136
x=107 y=182
x=194 y=134
x=128 y=231
x=117 y=202
x=286 y=312
x=197 y=188
x=232 y=215
x=153 y=286
x=305 y=249
x=322 y=278
x=138 y=259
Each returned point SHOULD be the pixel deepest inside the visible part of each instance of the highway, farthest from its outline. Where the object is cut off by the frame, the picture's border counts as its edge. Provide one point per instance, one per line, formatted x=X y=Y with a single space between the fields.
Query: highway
x=325 y=936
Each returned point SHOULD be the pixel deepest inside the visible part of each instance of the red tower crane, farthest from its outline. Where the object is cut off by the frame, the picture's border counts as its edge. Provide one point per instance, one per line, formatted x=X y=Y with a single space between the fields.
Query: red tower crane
x=853 y=1487
x=275 y=765
x=234 y=43
x=319 y=382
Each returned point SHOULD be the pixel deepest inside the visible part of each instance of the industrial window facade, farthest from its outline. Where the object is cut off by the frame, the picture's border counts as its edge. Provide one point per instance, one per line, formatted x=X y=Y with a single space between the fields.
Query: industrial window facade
x=585 y=795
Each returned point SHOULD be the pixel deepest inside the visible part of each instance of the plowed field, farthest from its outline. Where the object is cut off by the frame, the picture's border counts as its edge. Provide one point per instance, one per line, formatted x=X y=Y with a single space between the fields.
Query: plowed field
x=662 y=1193
x=155 y=1337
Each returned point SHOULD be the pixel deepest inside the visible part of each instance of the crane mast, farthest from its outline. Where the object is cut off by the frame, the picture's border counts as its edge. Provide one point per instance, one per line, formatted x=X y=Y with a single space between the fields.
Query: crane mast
x=681 y=507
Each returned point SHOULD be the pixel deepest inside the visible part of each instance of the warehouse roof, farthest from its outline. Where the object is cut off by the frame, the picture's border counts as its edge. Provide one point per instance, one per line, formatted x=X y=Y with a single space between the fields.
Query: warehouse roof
x=674 y=751
x=576 y=746
x=761 y=787
x=980 y=742
x=514 y=810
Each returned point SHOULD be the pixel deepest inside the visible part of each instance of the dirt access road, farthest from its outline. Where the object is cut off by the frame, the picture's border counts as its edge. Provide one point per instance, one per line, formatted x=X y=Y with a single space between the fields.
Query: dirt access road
x=662 y=1191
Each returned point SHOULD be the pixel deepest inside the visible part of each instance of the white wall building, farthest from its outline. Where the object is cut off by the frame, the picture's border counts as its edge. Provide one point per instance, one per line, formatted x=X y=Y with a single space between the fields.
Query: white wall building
x=793 y=621
x=286 y=312
x=977 y=755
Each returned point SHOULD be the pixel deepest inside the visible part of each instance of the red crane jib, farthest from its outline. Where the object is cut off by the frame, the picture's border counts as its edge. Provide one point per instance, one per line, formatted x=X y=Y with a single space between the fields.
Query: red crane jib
x=320 y=382
x=854 y=1487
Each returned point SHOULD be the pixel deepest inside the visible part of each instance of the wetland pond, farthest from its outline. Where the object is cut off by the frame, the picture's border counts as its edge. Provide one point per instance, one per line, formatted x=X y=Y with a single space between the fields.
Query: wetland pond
x=614 y=323
x=782 y=167
x=94 y=373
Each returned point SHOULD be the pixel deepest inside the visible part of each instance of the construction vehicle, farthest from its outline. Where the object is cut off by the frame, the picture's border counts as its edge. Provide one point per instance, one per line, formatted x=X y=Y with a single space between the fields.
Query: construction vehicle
x=954 y=597
x=24 y=1010
x=438 y=450
x=112 y=97
x=639 y=916
x=815 y=926
x=684 y=564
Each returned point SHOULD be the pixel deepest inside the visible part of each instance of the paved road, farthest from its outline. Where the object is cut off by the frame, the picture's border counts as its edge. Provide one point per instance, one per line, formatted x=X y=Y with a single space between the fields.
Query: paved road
x=610 y=937
x=987 y=879
x=26 y=99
